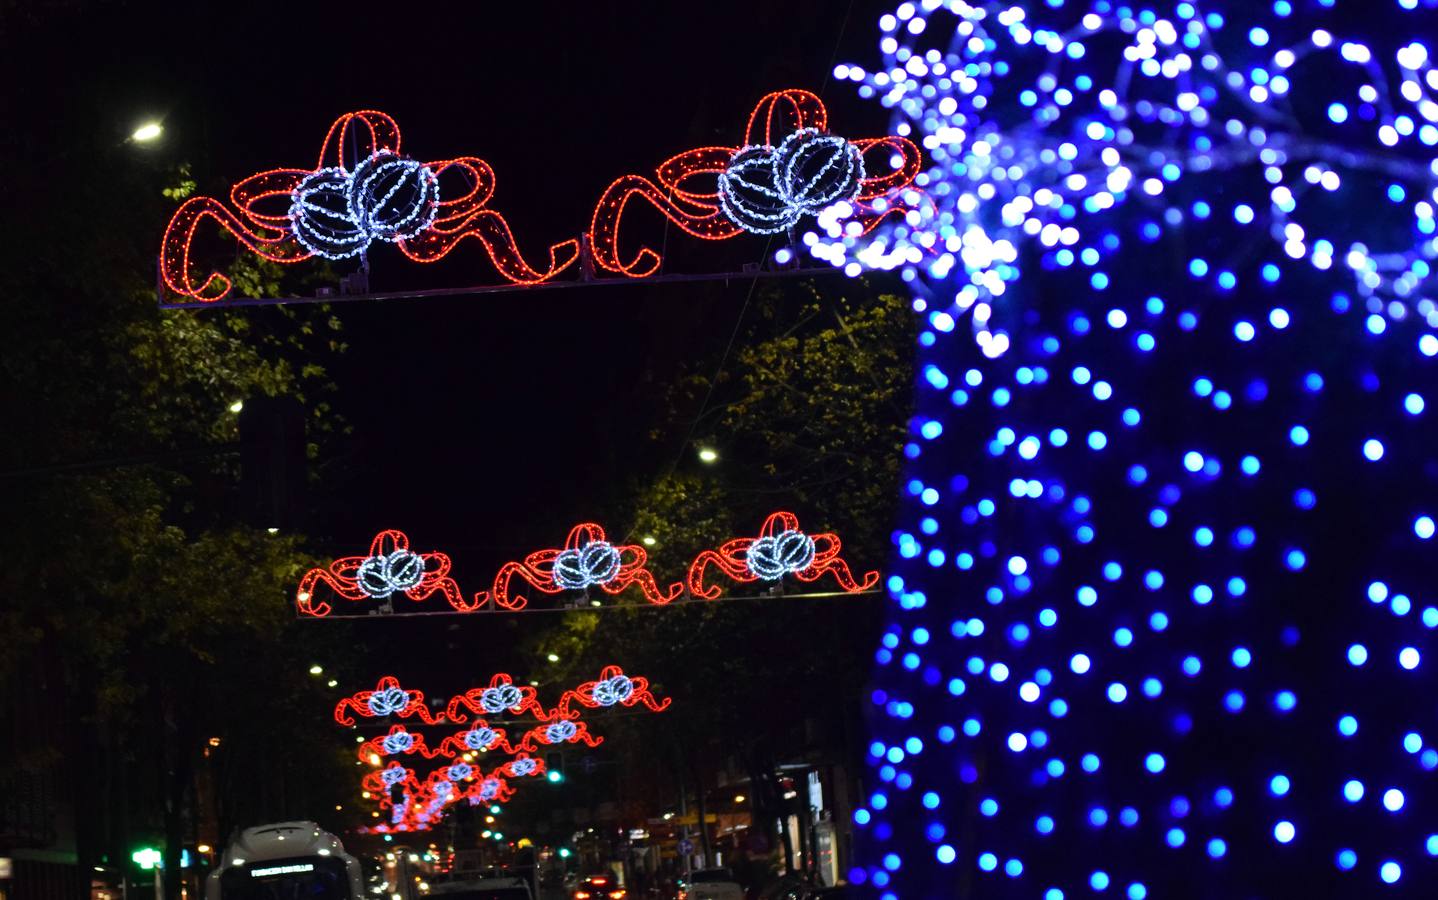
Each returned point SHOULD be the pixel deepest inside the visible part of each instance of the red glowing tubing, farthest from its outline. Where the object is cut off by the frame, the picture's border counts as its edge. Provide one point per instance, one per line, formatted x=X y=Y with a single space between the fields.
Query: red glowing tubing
x=263 y=221
x=795 y=108
x=499 y=697
x=180 y=233
x=387 y=699
x=699 y=213
x=390 y=568
x=479 y=737
x=586 y=560
x=614 y=688
x=398 y=741
x=781 y=549
x=465 y=217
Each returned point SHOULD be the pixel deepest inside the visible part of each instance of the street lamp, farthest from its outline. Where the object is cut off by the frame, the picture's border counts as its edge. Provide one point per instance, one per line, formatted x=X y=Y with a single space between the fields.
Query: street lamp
x=708 y=455
x=553 y=657
x=149 y=131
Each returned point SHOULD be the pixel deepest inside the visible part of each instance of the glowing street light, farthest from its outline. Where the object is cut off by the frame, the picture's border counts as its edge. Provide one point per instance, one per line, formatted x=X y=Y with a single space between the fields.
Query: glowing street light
x=649 y=540
x=149 y=131
x=553 y=657
x=708 y=455
x=237 y=406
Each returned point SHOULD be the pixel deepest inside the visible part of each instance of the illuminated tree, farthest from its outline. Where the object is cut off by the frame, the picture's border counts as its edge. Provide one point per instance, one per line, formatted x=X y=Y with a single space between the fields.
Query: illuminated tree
x=1161 y=606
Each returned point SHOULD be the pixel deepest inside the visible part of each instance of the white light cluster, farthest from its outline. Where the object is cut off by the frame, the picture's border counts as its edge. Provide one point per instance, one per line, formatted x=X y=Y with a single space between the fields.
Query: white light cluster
x=1033 y=131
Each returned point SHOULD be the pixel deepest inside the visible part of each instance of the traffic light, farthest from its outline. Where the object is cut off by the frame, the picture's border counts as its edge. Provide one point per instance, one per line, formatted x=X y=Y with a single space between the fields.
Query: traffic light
x=147 y=858
x=554 y=767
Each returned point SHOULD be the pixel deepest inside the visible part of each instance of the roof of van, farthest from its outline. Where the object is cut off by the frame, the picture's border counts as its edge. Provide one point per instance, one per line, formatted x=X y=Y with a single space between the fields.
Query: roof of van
x=283 y=840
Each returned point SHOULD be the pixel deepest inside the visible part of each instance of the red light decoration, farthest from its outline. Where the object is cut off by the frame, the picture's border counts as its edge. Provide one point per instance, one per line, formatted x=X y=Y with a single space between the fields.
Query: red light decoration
x=780 y=549
x=477 y=738
x=687 y=192
x=522 y=766
x=459 y=778
x=390 y=568
x=387 y=699
x=290 y=215
x=489 y=789
x=381 y=782
x=399 y=740
x=613 y=688
x=587 y=559
x=500 y=696
x=561 y=726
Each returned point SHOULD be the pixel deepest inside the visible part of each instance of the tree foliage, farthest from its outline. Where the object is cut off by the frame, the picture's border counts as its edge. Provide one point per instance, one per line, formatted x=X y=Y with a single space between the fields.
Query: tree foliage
x=153 y=616
x=809 y=414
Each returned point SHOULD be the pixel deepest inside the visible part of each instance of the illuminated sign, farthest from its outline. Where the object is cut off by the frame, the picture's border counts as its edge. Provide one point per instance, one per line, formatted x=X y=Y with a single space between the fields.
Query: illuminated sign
x=282 y=870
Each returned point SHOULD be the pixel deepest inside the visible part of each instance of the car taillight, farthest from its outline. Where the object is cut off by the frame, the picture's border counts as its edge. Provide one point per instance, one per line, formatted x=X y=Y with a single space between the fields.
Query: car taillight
x=616 y=894
x=581 y=895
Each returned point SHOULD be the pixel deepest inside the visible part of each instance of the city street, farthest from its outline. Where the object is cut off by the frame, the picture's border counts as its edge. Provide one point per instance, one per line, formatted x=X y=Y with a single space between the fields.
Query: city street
x=771 y=450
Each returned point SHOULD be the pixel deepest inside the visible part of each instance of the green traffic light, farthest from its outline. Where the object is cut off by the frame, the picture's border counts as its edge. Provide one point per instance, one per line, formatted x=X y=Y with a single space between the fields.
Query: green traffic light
x=564 y=853
x=554 y=777
x=146 y=857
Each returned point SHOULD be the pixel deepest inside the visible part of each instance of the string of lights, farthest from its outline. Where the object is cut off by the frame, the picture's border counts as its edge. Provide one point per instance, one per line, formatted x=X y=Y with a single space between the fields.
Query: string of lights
x=1033 y=130
x=1162 y=598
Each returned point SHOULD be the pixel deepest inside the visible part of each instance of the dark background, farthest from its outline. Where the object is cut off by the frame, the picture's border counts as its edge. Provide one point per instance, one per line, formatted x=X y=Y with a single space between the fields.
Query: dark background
x=476 y=422
x=471 y=412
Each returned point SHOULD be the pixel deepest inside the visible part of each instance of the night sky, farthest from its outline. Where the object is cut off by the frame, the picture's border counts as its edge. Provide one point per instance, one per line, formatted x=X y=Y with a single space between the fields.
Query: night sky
x=478 y=422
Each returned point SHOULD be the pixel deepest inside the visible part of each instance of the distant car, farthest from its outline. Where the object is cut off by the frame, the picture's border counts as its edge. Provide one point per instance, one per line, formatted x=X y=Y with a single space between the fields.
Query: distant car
x=483 y=889
x=599 y=887
x=710 y=884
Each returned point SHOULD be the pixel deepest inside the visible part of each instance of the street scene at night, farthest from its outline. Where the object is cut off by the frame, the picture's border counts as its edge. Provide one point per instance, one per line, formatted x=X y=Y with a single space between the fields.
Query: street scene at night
x=778 y=450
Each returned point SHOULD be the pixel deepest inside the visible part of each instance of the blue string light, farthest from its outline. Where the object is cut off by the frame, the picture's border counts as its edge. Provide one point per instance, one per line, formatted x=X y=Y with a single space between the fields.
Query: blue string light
x=1168 y=535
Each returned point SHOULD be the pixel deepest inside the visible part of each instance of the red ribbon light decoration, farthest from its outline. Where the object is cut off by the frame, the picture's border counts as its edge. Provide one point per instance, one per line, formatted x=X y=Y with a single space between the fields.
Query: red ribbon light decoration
x=390 y=568
x=479 y=737
x=780 y=549
x=459 y=778
x=387 y=699
x=399 y=740
x=613 y=688
x=290 y=215
x=687 y=197
x=381 y=782
x=587 y=559
x=501 y=695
